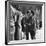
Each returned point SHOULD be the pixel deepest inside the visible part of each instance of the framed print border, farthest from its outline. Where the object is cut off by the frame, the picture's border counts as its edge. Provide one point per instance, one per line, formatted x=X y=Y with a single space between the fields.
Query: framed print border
x=7 y=11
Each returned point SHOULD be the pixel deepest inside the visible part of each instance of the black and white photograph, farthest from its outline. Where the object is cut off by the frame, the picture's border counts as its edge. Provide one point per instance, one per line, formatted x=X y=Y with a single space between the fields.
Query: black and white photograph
x=24 y=22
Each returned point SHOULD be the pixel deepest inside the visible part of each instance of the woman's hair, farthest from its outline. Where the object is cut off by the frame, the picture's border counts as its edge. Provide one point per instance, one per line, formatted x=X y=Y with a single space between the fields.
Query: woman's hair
x=27 y=12
x=17 y=7
x=31 y=12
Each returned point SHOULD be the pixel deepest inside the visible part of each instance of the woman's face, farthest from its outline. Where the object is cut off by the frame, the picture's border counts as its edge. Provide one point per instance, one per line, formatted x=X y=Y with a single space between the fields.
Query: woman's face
x=31 y=13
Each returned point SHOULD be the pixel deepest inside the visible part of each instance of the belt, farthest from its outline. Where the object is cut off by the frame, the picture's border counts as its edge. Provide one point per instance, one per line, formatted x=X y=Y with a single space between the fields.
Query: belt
x=28 y=24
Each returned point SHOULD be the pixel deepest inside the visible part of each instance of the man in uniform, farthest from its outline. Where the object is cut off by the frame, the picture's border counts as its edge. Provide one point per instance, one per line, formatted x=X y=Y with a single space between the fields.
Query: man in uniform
x=28 y=25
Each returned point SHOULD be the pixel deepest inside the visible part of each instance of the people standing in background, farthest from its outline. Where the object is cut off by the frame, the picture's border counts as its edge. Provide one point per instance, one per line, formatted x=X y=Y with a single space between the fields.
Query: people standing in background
x=31 y=26
x=16 y=35
x=28 y=25
x=17 y=18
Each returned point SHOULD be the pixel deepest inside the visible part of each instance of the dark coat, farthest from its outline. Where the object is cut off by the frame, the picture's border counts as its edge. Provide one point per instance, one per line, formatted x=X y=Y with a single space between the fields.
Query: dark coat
x=27 y=22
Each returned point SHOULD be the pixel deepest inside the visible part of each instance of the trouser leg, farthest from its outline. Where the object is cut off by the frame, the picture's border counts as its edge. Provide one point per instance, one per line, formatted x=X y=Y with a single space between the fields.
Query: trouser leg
x=32 y=33
x=27 y=36
x=16 y=35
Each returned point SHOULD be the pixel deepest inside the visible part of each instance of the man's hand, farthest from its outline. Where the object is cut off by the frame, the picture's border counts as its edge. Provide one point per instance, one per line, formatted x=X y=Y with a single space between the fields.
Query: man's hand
x=24 y=25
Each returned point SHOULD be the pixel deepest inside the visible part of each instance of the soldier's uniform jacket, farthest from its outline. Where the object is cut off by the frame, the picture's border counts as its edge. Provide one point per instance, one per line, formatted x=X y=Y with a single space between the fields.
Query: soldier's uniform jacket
x=27 y=24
